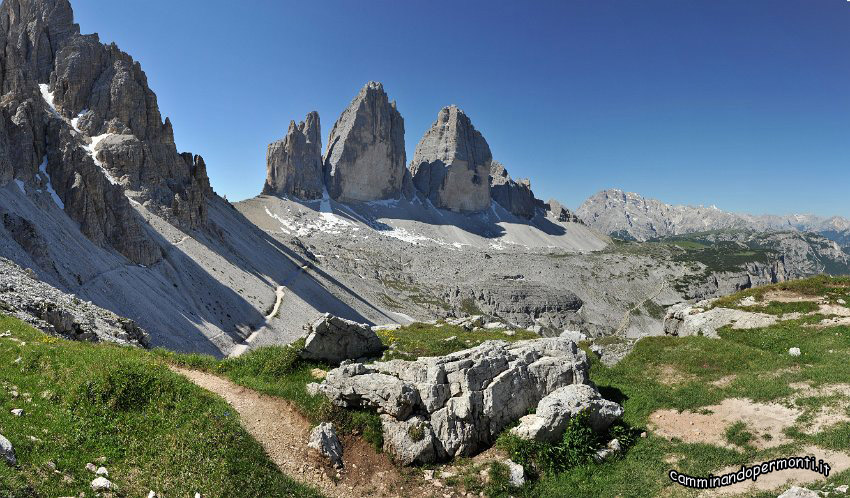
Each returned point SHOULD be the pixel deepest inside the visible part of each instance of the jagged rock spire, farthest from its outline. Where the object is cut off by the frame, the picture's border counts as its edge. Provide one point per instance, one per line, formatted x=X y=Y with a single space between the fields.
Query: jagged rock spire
x=294 y=164
x=365 y=158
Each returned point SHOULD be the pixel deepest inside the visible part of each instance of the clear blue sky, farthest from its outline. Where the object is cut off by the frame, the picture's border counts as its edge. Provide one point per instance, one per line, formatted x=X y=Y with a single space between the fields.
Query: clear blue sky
x=740 y=103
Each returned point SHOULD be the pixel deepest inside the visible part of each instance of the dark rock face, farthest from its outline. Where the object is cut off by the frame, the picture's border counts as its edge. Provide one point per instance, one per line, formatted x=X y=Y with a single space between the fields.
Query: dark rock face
x=365 y=157
x=560 y=213
x=452 y=164
x=515 y=196
x=83 y=111
x=294 y=164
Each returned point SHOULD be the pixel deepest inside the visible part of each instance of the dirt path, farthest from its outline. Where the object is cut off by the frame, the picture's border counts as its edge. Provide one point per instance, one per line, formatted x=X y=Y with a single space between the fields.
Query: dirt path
x=241 y=349
x=283 y=432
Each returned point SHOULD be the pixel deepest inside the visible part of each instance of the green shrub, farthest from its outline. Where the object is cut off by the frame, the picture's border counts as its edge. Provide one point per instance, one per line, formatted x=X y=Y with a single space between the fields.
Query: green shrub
x=576 y=448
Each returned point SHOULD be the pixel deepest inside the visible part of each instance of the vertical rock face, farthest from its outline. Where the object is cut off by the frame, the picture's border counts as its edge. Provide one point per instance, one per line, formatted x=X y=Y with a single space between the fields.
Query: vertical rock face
x=294 y=164
x=515 y=196
x=365 y=157
x=451 y=165
x=80 y=114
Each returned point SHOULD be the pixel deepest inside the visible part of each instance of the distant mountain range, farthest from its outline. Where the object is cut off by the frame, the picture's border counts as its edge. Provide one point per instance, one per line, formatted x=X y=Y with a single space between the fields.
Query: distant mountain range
x=628 y=215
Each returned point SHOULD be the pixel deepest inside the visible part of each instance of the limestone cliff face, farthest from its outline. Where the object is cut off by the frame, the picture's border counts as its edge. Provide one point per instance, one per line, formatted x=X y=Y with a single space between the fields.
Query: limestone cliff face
x=451 y=166
x=78 y=116
x=365 y=158
x=514 y=195
x=294 y=164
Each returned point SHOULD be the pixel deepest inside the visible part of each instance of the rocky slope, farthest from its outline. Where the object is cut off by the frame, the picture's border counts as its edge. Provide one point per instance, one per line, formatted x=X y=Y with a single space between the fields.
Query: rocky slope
x=57 y=313
x=96 y=200
x=630 y=216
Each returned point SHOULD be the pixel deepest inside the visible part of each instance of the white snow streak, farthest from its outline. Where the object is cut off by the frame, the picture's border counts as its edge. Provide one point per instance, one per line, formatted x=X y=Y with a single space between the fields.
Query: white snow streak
x=93 y=153
x=47 y=95
x=20 y=185
x=53 y=194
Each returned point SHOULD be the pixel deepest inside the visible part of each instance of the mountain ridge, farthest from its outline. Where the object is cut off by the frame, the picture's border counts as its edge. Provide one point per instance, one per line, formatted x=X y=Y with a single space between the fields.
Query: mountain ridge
x=630 y=215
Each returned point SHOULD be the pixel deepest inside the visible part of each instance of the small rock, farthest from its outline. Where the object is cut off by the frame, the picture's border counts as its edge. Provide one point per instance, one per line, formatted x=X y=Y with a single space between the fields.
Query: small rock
x=318 y=373
x=51 y=465
x=450 y=339
x=101 y=484
x=494 y=325
x=152 y=494
x=90 y=467
x=428 y=475
x=18 y=412
x=101 y=471
x=7 y=451
x=517 y=473
x=313 y=389
x=613 y=448
x=101 y=460
x=841 y=301
x=794 y=352
x=797 y=492
x=574 y=335
x=323 y=439
x=509 y=333
x=842 y=489
x=748 y=301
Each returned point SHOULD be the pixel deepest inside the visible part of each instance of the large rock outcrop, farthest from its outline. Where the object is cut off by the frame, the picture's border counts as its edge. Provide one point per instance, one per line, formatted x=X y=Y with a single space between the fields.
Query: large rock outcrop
x=435 y=408
x=365 y=158
x=294 y=164
x=451 y=166
x=514 y=195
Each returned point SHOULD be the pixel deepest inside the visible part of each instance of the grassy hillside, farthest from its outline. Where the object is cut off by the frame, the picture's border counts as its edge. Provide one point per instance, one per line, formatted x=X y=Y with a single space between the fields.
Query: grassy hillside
x=692 y=373
x=152 y=429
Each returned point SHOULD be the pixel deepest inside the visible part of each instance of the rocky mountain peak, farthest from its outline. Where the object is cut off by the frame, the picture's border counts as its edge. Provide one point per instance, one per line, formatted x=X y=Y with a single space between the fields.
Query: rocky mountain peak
x=451 y=165
x=294 y=164
x=80 y=115
x=365 y=158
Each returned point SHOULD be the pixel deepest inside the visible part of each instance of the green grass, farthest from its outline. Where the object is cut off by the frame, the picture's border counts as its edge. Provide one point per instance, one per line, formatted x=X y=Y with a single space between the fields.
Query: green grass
x=420 y=339
x=155 y=429
x=738 y=434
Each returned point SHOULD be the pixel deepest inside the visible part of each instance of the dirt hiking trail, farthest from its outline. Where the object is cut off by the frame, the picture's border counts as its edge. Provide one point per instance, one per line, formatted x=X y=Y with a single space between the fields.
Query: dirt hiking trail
x=283 y=432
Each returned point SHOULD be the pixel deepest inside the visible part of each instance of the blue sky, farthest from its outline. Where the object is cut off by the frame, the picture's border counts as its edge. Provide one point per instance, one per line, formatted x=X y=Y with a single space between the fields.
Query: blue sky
x=742 y=104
